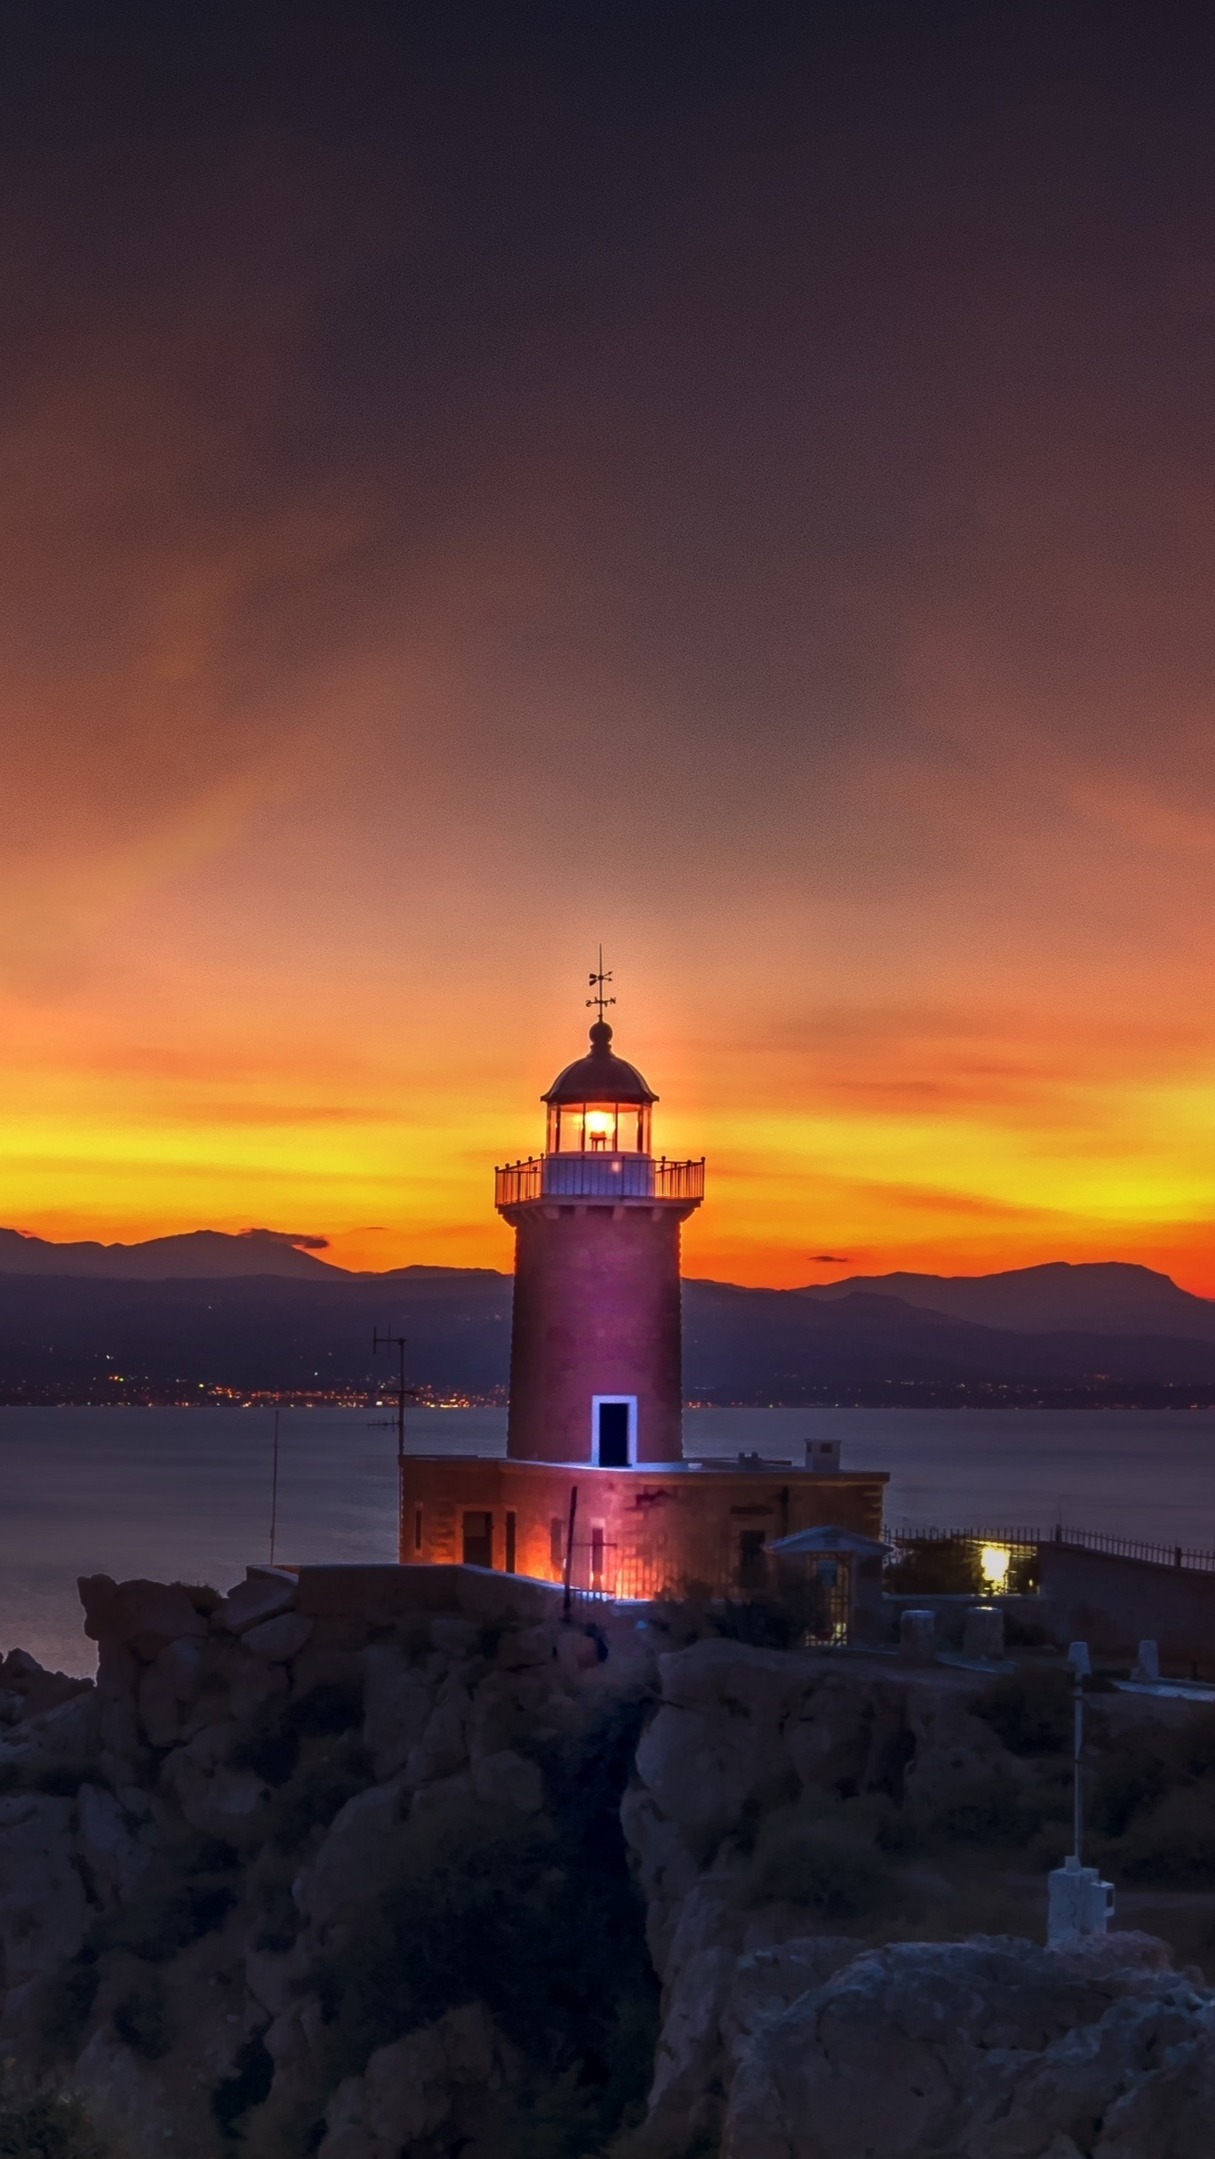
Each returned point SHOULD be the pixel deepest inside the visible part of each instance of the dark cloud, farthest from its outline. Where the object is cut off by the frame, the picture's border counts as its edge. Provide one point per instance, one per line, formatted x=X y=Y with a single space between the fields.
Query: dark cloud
x=302 y=1243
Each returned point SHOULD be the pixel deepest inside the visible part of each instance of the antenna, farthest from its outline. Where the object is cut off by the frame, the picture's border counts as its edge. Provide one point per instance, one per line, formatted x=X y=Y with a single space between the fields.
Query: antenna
x=397 y=1342
x=274 y=1492
x=597 y=981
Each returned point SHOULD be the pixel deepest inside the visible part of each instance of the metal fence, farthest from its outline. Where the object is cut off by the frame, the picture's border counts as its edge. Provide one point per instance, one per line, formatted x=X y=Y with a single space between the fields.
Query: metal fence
x=598 y=1176
x=903 y=1536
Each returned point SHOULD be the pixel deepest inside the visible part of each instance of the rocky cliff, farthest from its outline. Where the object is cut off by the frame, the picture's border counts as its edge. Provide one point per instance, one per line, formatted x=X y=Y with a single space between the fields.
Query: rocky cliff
x=282 y=1884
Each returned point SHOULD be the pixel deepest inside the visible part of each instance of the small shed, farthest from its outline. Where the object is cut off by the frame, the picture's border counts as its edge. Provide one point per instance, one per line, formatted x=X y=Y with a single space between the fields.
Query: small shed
x=846 y=1570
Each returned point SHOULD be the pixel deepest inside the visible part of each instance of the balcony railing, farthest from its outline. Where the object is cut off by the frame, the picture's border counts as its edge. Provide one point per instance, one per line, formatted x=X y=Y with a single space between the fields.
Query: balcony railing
x=599 y=1176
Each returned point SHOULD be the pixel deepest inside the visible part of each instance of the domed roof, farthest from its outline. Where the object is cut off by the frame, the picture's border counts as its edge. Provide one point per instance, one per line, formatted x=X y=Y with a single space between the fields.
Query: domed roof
x=599 y=1077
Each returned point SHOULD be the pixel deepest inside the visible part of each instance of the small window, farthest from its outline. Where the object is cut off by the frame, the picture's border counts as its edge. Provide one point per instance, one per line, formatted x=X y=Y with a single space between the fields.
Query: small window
x=478 y=1539
x=752 y=1567
x=417 y=1529
x=556 y=1544
x=511 y=1520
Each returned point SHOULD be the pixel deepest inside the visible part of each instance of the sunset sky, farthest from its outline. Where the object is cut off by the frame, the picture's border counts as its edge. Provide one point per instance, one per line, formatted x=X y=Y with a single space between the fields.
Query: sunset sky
x=736 y=481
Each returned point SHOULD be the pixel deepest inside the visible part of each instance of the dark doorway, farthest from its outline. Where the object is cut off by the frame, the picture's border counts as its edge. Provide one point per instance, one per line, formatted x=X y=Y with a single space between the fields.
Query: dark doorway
x=478 y=1540
x=752 y=1566
x=614 y=1435
x=511 y=1519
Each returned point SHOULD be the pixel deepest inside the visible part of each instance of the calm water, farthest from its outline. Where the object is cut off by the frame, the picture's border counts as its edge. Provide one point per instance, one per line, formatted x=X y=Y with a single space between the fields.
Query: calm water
x=185 y=1494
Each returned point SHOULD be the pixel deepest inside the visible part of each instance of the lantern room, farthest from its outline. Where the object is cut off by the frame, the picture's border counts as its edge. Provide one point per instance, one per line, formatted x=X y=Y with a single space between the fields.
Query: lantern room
x=599 y=1104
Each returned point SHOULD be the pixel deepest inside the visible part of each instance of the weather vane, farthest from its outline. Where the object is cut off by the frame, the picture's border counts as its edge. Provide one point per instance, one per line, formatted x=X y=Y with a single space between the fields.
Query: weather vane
x=597 y=981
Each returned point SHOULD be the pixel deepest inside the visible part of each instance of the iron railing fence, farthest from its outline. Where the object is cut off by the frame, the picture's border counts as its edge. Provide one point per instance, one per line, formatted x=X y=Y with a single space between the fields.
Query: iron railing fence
x=598 y=1176
x=903 y=1536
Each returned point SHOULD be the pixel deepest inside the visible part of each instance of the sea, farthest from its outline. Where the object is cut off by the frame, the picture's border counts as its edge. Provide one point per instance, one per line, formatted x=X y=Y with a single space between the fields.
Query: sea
x=187 y=1494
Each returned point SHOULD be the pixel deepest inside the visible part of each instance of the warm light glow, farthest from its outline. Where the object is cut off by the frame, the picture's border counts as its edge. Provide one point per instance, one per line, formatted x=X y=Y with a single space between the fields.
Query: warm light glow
x=599 y=1121
x=994 y=1563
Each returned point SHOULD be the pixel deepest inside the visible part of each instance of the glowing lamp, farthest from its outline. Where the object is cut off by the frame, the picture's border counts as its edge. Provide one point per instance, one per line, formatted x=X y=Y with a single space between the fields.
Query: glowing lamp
x=994 y=1563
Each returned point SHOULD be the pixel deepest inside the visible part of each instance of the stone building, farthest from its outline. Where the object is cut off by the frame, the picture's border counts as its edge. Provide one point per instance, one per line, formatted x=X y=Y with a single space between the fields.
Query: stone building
x=595 y=1489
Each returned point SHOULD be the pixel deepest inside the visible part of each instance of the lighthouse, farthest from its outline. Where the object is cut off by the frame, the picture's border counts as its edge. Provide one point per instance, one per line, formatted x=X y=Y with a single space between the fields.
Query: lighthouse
x=595 y=1373
x=594 y=1492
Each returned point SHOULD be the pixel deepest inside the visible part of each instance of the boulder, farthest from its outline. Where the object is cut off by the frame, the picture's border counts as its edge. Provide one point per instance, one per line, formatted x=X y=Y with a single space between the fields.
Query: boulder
x=454 y=1636
x=116 y=1842
x=261 y=1596
x=250 y=1680
x=144 y=1615
x=42 y=1903
x=717 y=1740
x=357 y=1859
x=166 y=1686
x=443 y=1746
x=214 y=1797
x=699 y=1974
x=988 y=2049
x=666 y=1868
x=396 y=1706
x=951 y=1751
x=509 y=1707
x=844 y=1732
x=443 y=2080
x=32 y=1689
x=508 y=1780
x=522 y=1647
x=276 y=1641
x=67 y=1733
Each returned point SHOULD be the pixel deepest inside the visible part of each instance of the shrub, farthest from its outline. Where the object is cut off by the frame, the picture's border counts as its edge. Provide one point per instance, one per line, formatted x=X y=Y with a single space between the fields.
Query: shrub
x=317 y=1792
x=545 y=1928
x=1172 y=1845
x=1194 y=1744
x=204 y=1599
x=1125 y=1786
x=164 y=1918
x=984 y=1811
x=824 y=1858
x=236 y=2095
x=270 y=1746
x=66 y=2003
x=936 y=1567
x=834 y=1880
x=141 y=2020
x=44 y=2125
x=1031 y=1712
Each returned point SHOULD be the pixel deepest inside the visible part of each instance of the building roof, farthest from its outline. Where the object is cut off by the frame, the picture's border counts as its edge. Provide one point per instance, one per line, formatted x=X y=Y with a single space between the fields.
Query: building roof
x=600 y=1076
x=826 y=1540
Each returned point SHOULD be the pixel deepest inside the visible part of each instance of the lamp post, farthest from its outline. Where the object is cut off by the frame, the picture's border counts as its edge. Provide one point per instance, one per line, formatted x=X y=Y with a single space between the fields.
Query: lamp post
x=1079 y=1902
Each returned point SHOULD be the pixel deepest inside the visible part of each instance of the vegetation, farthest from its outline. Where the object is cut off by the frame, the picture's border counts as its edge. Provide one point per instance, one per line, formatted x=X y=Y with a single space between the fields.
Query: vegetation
x=952 y=1567
x=786 y=1616
x=541 y=1924
x=141 y=2020
x=236 y=2095
x=272 y=1742
x=43 y=2125
x=1031 y=1711
x=838 y=1872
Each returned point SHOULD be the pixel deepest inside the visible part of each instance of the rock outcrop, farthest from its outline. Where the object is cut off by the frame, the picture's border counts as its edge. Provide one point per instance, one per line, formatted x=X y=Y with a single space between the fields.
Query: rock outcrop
x=989 y=2049
x=283 y=1882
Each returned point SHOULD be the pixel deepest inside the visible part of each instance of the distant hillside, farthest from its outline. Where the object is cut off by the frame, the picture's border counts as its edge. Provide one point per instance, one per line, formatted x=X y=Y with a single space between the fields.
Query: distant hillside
x=74 y=1337
x=1105 y=1297
x=77 y=1334
x=199 y=1255
x=748 y=1345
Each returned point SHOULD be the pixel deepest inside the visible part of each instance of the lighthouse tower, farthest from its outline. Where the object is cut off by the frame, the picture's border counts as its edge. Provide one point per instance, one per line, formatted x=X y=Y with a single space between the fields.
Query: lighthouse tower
x=594 y=1495
x=595 y=1348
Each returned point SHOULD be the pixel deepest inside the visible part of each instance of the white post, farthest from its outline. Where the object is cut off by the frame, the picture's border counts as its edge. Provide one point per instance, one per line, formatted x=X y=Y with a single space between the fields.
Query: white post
x=1079 y=1902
